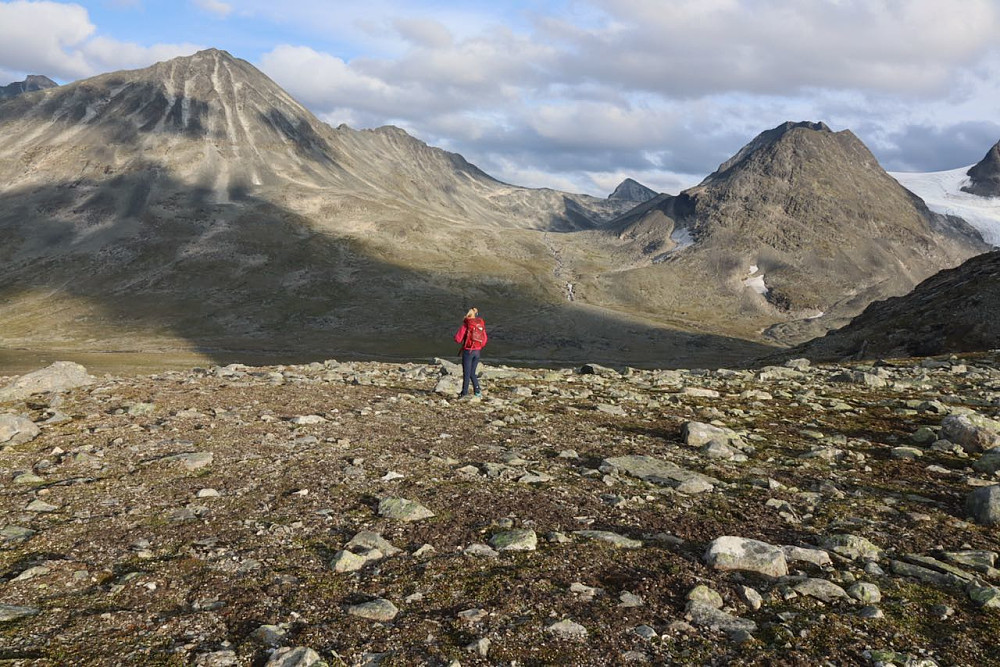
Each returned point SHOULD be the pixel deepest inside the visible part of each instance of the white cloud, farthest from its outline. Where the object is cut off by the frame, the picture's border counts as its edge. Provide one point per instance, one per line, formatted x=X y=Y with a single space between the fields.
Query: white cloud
x=217 y=7
x=583 y=92
x=58 y=40
x=43 y=37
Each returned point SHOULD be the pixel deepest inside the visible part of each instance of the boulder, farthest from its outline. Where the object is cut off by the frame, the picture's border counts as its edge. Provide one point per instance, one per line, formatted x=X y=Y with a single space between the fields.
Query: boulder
x=983 y=505
x=60 y=376
x=17 y=430
x=738 y=553
x=974 y=432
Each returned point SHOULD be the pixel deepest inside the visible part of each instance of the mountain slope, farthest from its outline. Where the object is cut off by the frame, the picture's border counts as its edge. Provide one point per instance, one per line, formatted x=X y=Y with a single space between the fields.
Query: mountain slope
x=195 y=205
x=804 y=219
x=956 y=310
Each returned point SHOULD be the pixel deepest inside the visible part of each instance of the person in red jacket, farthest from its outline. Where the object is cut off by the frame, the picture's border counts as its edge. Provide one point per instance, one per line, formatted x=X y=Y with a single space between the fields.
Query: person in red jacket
x=472 y=337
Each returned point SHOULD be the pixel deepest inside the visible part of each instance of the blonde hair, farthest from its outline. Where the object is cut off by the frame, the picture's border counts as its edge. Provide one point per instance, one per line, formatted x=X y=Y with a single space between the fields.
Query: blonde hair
x=473 y=312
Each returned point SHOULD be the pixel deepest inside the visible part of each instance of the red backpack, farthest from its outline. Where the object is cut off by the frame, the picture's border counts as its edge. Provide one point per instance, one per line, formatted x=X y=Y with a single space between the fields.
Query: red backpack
x=475 y=333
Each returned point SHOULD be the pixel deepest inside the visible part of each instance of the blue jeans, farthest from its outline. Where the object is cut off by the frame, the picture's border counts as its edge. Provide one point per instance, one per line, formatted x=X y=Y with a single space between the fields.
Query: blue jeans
x=470 y=359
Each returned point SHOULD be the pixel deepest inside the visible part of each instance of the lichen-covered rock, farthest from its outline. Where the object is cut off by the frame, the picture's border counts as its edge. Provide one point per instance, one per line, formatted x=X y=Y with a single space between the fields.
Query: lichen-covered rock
x=738 y=553
x=17 y=430
x=983 y=505
x=972 y=431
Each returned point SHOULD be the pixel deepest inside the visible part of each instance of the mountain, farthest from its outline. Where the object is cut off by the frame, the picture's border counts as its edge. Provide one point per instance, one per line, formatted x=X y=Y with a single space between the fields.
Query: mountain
x=194 y=205
x=633 y=191
x=802 y=221
x=955 y=310
x=984 y=176
x=32 y=83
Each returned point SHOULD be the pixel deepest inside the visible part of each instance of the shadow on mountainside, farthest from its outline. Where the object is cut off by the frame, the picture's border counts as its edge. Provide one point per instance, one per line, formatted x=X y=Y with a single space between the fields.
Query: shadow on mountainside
x=142 y=262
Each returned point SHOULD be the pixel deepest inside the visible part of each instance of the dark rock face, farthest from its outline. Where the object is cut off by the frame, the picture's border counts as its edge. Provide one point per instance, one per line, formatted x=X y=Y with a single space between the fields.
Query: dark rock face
x=633 y=191
x=985 y=175
x=956 y=310
x=32 y=83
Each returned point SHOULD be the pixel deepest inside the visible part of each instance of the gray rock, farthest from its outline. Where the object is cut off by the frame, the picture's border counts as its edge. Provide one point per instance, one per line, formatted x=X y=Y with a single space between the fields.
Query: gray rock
x=615 y=539
x=269 y=635
x=629 y=600
x=657 y=471
x=821 y=589
x=60 y=376
x=479 y=550
x=370 y=541
x=697 y=434
x=989 y=462
x=983 y=505
x=449 y=385
x=191 y=460
x=17 y=430
x=15 y=534
x=984 y=596
x=707 y=616
x=519 y=539
x=347 y=561
x=817 y=557
x=10 y=612
x=974 y=432
x=851 y=547
x=567 y=629
x=737 y=553
x=751 y=597
x=378 y=609
x=402 y=509
x=865 y=592
x=295 y=657
x=705 y=595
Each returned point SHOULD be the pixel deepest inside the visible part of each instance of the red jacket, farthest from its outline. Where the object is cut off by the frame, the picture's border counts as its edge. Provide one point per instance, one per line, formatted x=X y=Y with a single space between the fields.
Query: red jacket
x=460 y=337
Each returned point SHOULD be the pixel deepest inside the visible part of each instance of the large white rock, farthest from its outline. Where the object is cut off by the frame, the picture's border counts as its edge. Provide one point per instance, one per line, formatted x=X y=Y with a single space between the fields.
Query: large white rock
x=60 y=376
x=738 y=553
x=974 y=432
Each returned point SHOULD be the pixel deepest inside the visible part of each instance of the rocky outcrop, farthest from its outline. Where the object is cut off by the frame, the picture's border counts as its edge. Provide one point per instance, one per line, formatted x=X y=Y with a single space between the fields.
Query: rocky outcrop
x=952 y=311
x=984 y=176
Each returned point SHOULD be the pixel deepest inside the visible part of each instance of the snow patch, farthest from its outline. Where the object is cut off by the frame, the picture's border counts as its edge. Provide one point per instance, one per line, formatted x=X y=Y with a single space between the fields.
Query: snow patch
x=942 y=192
x=755 y=282
x=682 y=238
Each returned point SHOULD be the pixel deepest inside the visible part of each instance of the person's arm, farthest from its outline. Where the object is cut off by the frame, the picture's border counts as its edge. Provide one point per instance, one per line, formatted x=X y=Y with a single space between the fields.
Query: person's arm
x=486 y=336
x=460 y=336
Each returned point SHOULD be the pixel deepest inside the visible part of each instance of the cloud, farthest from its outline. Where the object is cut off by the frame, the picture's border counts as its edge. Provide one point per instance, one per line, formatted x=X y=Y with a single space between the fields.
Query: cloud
x=217 y=7
x=43 y=37
x=585 y=91
x=927 y=148
x=698 y=47
x=59 y=41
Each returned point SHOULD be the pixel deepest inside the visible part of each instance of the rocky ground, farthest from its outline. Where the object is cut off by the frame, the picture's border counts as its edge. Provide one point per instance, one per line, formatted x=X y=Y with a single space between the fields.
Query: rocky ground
x=360 y=514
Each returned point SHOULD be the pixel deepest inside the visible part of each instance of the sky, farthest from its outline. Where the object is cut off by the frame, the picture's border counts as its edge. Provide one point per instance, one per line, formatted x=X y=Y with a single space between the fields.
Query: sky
x=575 y=94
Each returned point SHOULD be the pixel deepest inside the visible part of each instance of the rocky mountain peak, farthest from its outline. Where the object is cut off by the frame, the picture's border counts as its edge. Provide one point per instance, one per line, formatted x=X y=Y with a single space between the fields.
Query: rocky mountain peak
x=985 y=175
x=764 y=142
x=632 y=190
x=32 y=83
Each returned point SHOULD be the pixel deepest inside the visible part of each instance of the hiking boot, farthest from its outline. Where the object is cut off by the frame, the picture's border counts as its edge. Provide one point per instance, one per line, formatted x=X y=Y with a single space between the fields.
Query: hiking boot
x=479 y=394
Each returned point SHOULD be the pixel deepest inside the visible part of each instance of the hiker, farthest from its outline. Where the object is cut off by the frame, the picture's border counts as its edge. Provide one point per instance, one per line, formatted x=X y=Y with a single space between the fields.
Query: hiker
x=472 y=337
